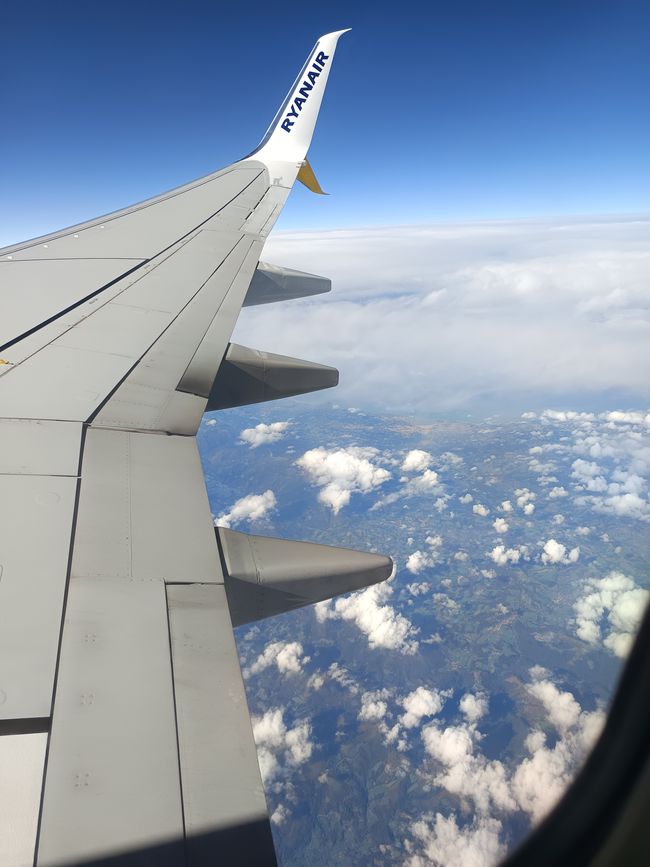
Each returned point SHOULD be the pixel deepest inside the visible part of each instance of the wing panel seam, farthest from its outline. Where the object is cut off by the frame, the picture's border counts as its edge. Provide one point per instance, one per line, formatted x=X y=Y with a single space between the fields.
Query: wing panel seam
x=96 y=292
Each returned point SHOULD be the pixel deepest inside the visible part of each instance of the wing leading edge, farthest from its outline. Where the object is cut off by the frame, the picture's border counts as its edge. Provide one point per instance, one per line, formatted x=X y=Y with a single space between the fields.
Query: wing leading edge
x=117 y=656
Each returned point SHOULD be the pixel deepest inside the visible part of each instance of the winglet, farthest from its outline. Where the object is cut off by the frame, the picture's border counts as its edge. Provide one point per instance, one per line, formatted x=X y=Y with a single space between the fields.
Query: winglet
x=289 y=135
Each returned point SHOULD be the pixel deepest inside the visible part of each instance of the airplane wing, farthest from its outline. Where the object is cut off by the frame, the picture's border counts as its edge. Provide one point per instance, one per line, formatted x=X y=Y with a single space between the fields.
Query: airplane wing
x=123 y=717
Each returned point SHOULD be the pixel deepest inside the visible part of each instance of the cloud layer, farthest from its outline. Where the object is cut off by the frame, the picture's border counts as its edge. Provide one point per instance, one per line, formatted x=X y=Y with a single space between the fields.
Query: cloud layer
x=417 y=311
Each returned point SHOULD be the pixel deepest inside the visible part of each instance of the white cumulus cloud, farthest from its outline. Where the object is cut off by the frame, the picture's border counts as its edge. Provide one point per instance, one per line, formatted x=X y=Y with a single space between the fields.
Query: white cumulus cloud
x=370 y=612
x=253 y=507
x=263 y=433
x=287 y=656
x=416 y=461
x=278 y=746
x=617 y=598
x=342 y=472
x=473 y=706
x=555 y=552
x=420 y=703
x=438 y=841
x=502 y=555
x=373 y=705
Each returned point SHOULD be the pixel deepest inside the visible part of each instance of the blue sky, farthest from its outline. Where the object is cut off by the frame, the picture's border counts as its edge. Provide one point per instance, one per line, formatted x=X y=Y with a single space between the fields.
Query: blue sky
x=436 y=112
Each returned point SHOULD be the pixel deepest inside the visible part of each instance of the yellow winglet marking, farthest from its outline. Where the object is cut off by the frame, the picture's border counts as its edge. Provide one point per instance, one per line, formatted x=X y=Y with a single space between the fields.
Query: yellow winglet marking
x=2 y=361
x=307 y=177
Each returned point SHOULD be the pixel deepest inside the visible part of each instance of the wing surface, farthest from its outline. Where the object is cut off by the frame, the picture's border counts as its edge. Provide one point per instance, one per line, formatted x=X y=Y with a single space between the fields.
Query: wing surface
x=117 y=657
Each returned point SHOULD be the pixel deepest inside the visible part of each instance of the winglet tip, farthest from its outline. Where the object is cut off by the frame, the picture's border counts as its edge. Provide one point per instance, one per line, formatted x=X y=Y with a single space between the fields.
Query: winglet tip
x=335 y=33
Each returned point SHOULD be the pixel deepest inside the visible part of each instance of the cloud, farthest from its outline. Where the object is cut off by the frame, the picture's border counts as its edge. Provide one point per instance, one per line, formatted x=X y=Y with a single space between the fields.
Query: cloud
x=635 y=418
x=373 y=705
x=540 y=780
x=556 y=492
x=280 y=815
x=611 y=474
x=420 y=703
x=287 y=656
x=523 y=496
x=378 y=621
x=506 y=506
x=473 y=707
x=480 y=509
x=263 y=433
x=417 y=589
x=253 y=507
x=540 y=299
x=502 y=555
x=556 y=552
x=428 y=481
x=420 y=560
x=500 y=525
x=494 y=788
x=440 y=841
x=278 y=746
x=466 y=773
x=588 y=476
x=416 y=461
x=616 y=597
x=341 y=675
x=342 y=472
x=466 y=498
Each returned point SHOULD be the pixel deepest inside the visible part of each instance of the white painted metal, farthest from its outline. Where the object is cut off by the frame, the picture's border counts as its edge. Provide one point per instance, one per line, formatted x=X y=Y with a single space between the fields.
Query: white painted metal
x=141 y=400
x=143 y=510
x=112 y=780
x=287 y=140
x=272 y=283
x=215 y=739
x=36 y=515
x=21 y=760
x=32 y=291
x=45 y=448
x=143 y=230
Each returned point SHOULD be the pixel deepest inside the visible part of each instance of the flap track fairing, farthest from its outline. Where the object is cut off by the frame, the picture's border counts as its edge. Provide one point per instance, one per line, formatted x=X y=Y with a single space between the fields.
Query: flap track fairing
x=266 y=576
x=249 y=376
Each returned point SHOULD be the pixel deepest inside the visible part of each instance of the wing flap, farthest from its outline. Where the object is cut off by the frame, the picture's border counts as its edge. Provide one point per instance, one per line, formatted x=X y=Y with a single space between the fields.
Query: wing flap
x=142 y=400
x=112 y=781
x=32 y=588
x=143 y=510
x=38 y=486
x=222 y=787
x=32 y=292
